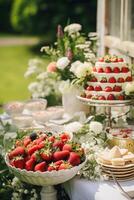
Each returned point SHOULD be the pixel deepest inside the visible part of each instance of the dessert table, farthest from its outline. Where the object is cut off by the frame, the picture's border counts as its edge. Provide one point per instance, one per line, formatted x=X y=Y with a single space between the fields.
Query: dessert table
x=82 y=189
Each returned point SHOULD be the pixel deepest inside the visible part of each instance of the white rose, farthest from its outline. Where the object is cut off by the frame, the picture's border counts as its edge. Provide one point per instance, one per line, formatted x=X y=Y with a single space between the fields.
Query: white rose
x=62 y=63
x=81 y=69
x=129 y=88
x=73 y=28
x=96 y=127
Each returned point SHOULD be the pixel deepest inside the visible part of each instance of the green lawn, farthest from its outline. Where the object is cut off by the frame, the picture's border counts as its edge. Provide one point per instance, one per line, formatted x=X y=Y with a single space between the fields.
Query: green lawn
x=13 y=64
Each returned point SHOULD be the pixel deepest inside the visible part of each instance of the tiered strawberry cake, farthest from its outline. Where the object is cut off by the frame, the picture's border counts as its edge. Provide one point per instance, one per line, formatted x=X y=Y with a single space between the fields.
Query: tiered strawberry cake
x=108 y=79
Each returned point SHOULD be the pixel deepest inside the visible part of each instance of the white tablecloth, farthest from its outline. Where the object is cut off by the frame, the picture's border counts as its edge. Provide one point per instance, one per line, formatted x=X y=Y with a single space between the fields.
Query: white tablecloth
x=82 y=189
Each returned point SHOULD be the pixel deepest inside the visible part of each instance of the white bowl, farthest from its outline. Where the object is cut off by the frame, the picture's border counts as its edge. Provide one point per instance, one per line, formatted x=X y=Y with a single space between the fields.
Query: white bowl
x=36 y=105
x=44 y=178
x=22 y=121
x=13 y=108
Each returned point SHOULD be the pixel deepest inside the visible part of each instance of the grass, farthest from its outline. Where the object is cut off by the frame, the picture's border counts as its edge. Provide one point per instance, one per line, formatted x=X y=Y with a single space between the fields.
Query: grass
x=13 y=64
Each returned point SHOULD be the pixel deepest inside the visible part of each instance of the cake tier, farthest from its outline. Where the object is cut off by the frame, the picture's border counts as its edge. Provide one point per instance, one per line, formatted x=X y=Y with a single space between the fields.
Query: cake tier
x=112 y=65
x=102 y=93
x=99 y=76
x=104 y=85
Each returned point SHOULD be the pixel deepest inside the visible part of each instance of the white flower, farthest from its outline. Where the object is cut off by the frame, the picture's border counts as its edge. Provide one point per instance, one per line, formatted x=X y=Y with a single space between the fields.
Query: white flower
x=62 y=63
x=42 y=76
x=81 y=69
x=73 y=127
x=73 y=28
x=129 y=88
x=96 y=127
x=33 y=86
x=45 y=48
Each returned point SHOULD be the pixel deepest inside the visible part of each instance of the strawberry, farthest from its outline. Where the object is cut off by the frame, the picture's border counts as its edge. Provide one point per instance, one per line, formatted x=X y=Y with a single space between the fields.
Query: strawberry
x=120 y=60
x=114 y=59
x=18 y=143
x=103 y=80
x=116 y=70
x=108 y=89
x=100 y=70
x=121 y=97
x=74 y=159
x=36 y=156
x=124 y=70
x=61 y=155
x=29 y=165
x=26 y=141
x=120 y=80
x=108 y=70
x=67 y=147
x=19 y=162
x=90 y=88
x=46 y=155
x=93 y=79
x=40 y=166
x=51 y=138
x=64 y=166
x=89 y=96
x=59 y=162
x=58 y=144
x=101 y=59
x=112 y=80
x=32 y=149
x=64 y=137
x=129 y=79
x=52 y=167
x=17 y=151
x=111 y=97
x=39 y=140
x=98 y=88
x=94 y=69
x=101 y=98
x=117 y=88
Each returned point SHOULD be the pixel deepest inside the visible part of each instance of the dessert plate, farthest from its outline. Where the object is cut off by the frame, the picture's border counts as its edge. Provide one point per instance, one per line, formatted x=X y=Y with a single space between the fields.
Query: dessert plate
x=85 y=100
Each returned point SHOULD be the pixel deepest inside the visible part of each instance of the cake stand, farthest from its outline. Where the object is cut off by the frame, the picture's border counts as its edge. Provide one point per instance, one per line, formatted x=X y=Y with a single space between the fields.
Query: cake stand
x=108 y=105
x=45 y=179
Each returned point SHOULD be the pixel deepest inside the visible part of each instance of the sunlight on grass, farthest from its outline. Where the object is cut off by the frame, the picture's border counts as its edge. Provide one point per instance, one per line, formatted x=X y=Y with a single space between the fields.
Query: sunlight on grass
x=13 y=64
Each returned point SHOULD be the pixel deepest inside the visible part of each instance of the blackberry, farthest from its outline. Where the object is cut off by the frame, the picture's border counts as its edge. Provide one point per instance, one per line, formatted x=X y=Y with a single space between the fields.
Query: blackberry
x=33 y=136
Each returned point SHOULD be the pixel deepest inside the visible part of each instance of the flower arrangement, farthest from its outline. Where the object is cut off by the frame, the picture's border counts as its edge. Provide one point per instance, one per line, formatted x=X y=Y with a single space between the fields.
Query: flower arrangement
x=71 y=56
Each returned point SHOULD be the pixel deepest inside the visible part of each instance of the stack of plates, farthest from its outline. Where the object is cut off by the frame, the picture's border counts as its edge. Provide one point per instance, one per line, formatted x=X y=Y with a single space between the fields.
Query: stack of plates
x=121 y=173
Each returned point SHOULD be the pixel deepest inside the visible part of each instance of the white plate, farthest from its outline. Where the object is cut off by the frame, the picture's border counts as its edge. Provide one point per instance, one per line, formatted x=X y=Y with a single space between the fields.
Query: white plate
x=85 y=100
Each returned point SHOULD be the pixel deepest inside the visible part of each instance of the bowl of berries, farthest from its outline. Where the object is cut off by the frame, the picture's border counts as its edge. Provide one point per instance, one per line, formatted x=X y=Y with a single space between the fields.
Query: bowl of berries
x=44 y=159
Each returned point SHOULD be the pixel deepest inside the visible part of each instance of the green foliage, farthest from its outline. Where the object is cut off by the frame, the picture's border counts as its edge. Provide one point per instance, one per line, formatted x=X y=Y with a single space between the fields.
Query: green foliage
x=42 y=17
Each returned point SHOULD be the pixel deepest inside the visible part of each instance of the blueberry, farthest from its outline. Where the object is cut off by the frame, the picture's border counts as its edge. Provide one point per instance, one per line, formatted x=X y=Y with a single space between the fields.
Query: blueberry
x=33 y=136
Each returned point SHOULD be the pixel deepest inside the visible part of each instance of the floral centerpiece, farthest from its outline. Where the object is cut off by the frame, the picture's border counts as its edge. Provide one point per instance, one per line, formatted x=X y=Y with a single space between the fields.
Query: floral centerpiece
x=72 y=57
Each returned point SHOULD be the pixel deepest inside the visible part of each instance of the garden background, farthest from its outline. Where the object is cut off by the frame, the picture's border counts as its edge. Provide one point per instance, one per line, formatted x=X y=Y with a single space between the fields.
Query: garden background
x=25 y=26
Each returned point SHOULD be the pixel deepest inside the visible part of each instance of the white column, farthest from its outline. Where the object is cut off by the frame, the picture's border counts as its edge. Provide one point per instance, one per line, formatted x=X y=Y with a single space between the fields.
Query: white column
x=101 y=25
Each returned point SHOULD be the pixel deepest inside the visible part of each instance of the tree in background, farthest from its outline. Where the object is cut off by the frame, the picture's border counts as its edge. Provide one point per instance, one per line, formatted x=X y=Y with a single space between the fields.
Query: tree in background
x=42 y=16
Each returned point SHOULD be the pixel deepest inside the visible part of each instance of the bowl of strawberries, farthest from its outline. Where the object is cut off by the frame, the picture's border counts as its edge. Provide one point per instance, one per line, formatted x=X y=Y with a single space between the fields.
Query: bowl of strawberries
x=42 y=158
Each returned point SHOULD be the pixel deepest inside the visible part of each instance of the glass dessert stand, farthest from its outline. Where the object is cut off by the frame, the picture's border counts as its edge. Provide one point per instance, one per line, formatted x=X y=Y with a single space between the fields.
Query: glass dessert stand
x=107 y=105
x=45 y=179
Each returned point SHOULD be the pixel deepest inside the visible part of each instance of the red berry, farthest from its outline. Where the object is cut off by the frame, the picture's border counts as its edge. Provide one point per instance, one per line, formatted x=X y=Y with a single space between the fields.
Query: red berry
x=90 y=88
x=108 y=89
x=101 y=98
x=103 y=80
x=93 y=79
x=112 y=80
x=40 y=167
x=111 y=97
x=94 y=69
x=17 y=151
x=114 y=59
x=74 y=159
x=117 y=88
x=108 y=70
x=67 y=147
x=120 y=97
x=100 y=70
x=61 y=155
x=89 y=96
x=32 y=149
x=46 y=155
x=120 y=60
x=124 y=69
x=30 y=164
x=120 y=80
x=116 y=70
x=98 y=88
x=58 y=144
x=19 y=162
x=101 y=59
x=129 y=79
